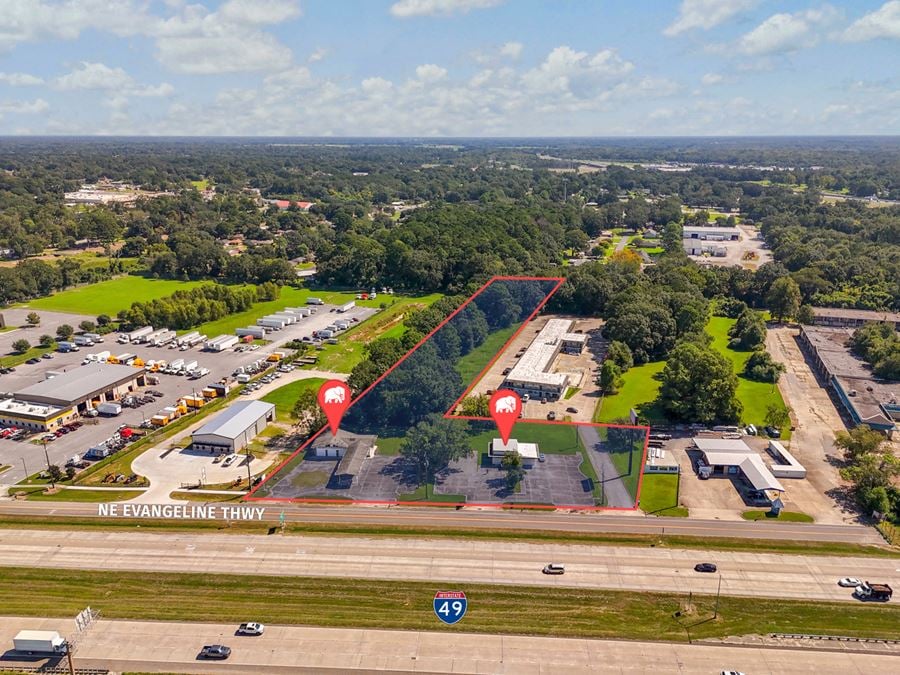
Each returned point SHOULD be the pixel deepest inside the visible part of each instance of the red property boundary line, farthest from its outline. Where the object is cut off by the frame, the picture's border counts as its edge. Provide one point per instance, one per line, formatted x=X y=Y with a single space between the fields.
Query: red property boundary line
x=449 y=415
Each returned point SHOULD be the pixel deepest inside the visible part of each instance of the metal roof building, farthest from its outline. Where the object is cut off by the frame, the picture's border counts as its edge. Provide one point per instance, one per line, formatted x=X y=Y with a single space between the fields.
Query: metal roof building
x=723 y=453
x=235 y=427
x=532 y=373
x=95 y=382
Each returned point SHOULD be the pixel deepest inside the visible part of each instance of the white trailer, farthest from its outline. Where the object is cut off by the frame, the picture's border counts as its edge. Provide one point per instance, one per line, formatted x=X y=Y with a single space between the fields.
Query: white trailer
x=347 y=306
x=315 y=301
x=96 y=337
x=83 y=341
x=155 y=334
x=140 y=334
x=110 y=409
x=211 y=344
x=271 y=323
x=197 y=340
x=187 y=337
x=189 y=366
x=99 y=357
x=164 y=338
x=221 y=345
x=256 y=332
x=288 y=318
x=33 y=642
x=299 y=311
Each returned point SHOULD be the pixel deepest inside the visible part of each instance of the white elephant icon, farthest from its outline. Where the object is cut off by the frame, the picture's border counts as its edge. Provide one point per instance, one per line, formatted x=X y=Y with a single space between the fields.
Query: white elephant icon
x=335 y=395
x=505 y=404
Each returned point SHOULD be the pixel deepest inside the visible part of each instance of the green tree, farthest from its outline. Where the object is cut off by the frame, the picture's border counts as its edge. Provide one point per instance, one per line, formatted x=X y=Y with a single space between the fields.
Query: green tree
x=777 y=416
x=70 y=472
x=308 y=413
x=620 y=354
x=515 y=470
x=698 y=385
x=876 y=499
x=432 y=444
x=65 y=331
x=805 y=315
x=859 y=441
x=784 y=299
x=104 y=320
x=33 y=319
x=762 y=367
x=87 y=326
x=672 y=238
x=872 y=471
x=749 y=331
x=21 y=346
x=610 y=377
x=576 y=240
x=477 y=405
x=55 y=473
x=46 y=340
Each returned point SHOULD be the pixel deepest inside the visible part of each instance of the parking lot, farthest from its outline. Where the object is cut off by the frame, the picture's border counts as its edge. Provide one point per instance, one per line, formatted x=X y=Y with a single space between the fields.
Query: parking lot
x=750 y=252
x=221 y=365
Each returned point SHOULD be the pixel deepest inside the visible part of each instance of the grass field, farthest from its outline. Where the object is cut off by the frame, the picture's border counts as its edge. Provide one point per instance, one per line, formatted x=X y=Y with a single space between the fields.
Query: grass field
x=350 y=350
x=756 y=397
x=83 y=496
x=659 y=495
x=638 y=391
x=201 y=184
x=285 y=397
x=12 y=359
x=108 y=297
x=474 y=362
x=370 y=603
x=784 y=516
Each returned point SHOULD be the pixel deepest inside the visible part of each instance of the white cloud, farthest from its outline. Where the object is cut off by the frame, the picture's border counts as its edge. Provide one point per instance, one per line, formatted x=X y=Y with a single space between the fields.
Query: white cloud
x=34 y=107
x=295 y=78
x=430 y=72
x=259 y=12
x=94 y=76
x=512 y=50
x=407 y=8
x=565 y=70
x=710 y=79
x=884 y=22
x=785 y=32
x=30 y=20
x=317 y=55
x=20 y=79
x=706 y=14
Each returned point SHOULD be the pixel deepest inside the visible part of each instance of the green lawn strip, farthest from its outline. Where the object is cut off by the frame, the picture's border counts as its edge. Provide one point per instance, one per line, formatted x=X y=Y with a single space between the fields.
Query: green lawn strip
x=286 y=396
x=756 y=397
x=13 y=359
x=350 y=349
x=571 y=391
x=404 y=605
x=587 y=469
x=309 y=527
x=81 y=495
x=421 y=494
x=470 y=365
x=108 y=297
x=638 y=391
x=659 y=495
x=389 y=445
x=189 y=496
x=784 y=516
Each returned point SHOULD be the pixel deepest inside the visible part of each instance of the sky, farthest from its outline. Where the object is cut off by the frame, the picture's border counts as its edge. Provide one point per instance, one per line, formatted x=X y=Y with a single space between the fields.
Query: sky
x=449 y=67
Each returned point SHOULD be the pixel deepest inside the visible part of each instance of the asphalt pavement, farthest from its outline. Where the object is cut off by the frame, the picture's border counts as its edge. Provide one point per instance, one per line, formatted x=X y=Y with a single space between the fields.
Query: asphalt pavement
x=147 y=646
x=455 y=560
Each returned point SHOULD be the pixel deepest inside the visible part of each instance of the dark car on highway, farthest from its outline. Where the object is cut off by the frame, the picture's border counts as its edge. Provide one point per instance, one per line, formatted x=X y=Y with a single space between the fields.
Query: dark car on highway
x=215 y=652
x=705 y=567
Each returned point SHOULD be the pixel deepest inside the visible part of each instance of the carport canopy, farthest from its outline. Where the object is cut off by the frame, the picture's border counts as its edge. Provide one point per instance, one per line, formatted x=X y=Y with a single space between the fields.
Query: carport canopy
x=750 y=464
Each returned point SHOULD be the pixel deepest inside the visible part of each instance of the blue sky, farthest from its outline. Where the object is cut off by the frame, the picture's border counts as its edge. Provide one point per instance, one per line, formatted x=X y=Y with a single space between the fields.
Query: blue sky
x=449 y=67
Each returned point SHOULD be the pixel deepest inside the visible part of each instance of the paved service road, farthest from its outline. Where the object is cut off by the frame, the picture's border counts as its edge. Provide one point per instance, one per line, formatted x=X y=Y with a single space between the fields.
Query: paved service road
x=499 y=519
x=614 y=490
x=611 y=567
x=148 y=646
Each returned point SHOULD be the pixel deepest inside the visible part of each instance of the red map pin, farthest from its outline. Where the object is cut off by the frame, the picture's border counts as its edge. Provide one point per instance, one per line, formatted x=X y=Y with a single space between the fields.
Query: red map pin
x=334 y=397
x=505 y=408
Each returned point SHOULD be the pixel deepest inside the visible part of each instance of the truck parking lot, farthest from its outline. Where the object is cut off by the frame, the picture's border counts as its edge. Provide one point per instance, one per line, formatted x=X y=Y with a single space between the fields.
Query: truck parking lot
x=221 y=365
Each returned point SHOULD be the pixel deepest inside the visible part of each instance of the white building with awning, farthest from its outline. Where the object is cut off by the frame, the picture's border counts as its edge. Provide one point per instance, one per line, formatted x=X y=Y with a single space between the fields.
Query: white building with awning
x=727 y=456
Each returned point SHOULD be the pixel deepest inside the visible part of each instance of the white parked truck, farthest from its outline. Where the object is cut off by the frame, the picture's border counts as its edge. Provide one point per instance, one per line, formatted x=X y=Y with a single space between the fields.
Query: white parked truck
x=227 y=342
x=34 y=642
x=347 y=306
x=200 y=372
x=315 y=301
x=187 y=337
x=189 y=366
x=162 y=338
x=83 y=341
x=139 y=335
x=109 y=409
x=174 y=367
x=96 y=337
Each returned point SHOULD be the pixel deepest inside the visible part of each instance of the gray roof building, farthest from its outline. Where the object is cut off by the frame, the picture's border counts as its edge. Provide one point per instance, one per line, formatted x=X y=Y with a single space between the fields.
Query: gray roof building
x=849 y=318
x=73 y=387
x=235 y=427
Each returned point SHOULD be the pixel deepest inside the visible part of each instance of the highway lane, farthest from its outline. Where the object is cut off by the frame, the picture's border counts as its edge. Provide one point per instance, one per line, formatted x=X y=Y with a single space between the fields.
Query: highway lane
x=149 y=646
x=447 y=560
x=581 y=522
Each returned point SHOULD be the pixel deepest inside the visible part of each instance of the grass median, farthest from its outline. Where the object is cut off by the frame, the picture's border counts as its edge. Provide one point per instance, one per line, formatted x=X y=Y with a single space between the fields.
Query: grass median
x=366 y=603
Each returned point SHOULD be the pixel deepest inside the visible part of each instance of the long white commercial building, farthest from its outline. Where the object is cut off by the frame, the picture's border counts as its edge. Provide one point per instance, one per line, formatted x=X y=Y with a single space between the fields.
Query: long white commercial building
x=533 y=373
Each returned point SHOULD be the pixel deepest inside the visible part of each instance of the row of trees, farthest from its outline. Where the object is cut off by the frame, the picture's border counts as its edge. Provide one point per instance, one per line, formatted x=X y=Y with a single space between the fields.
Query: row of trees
x=879 y=344
x=873 y=470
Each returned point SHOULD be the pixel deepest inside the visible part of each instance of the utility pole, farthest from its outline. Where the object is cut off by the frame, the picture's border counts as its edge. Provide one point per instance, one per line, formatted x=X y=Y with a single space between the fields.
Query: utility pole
x=47 y=457
x=25 y=466
x=249 y=475
x=718 y=591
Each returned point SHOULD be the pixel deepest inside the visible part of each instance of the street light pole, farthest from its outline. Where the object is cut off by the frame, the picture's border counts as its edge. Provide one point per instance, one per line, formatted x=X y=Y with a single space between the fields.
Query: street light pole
x=47 y=457
x=249 y=475
x=718 y=590
x=25 y=466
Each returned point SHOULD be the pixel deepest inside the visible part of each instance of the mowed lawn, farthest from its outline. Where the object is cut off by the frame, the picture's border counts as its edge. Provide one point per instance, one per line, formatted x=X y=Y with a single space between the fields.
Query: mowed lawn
x=470 y=365
x=108 y=297
x=285 y=397
x=659 y=495
x=756 y=397
x=639 y=391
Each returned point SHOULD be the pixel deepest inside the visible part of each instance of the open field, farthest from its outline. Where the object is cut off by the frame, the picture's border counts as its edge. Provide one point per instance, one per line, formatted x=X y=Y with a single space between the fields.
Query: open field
x=785 y=516
x=108 y=297
x=37 y=495
x=639 y=392
x=408 y=605
x=342 y=357
x=659 y=495
x=285 y=397
x=474 y=362
x=12 y=359
x=756 y=397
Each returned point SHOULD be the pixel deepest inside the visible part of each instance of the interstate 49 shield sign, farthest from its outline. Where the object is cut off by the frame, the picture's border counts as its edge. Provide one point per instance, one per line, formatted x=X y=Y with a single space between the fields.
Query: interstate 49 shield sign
x=450 y=606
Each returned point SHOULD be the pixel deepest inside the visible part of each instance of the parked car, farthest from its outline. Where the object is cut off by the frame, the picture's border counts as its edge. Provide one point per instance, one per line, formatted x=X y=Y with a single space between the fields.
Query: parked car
x=251 y=628
x=215 y=652
x=705 y=567
x=231 y=459
x=554 y=568
x=571 y=410
x=551 y=415
x=772 y=432
x=542 y=457
x=849 y=582
x=48 y=355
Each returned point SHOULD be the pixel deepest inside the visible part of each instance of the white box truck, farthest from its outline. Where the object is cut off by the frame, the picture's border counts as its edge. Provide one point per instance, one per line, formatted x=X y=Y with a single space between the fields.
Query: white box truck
x=347 y=306
x=186 y=338
x=188 y=367
x=227 y=342
x=315 y=301
x=200 y=372
x=96 y=337
x=83 y=341
x=67 y=346
x=140 y=334
x=211 y=344
x=109 y=409
x=174 y=367
x=34 y=642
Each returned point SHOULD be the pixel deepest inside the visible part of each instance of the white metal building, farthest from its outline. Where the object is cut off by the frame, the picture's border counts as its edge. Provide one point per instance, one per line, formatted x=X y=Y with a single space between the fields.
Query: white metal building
x=727 y=456
x=527 y=451
x=533 y=374
x=234 y=428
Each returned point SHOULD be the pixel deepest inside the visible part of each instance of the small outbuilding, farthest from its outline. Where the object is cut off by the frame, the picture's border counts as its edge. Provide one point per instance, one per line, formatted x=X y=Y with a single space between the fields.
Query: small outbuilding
x=529 y=452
